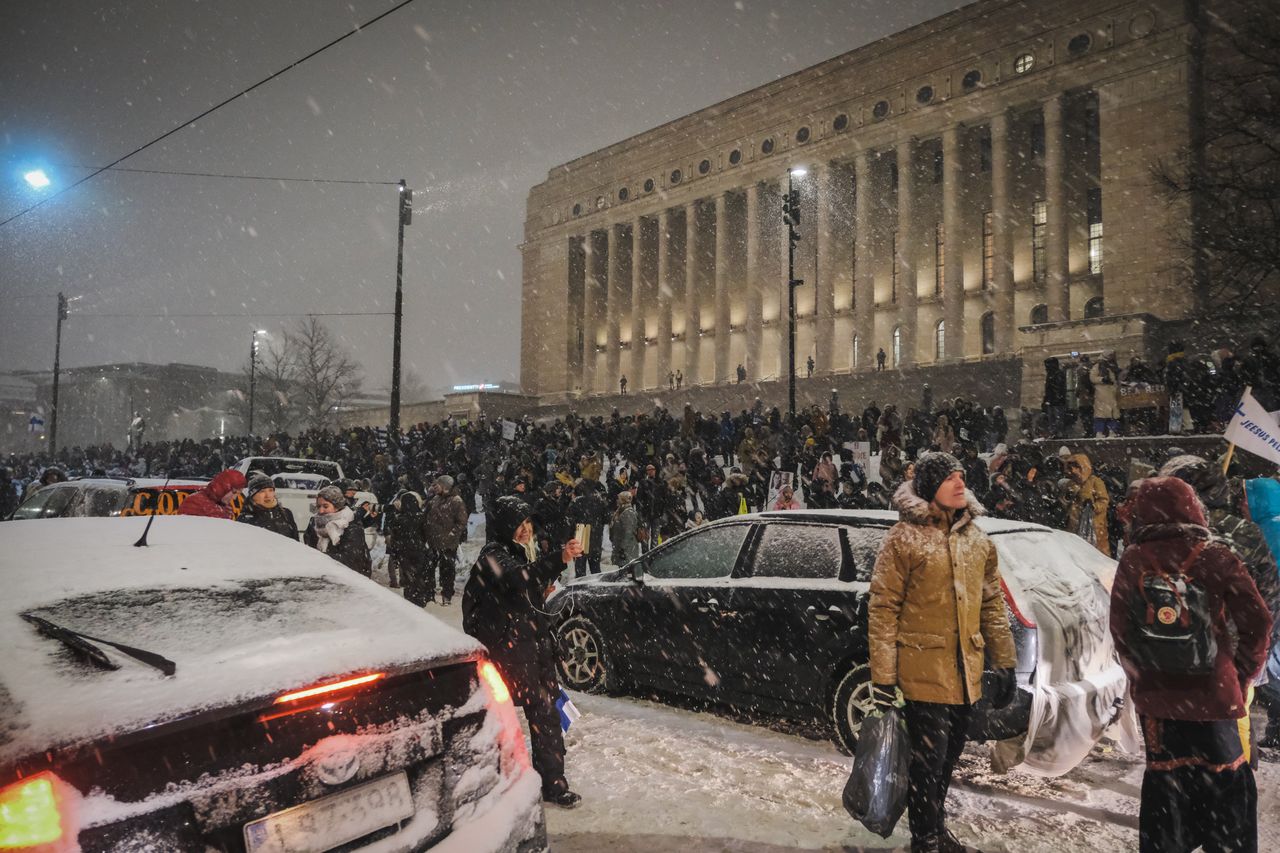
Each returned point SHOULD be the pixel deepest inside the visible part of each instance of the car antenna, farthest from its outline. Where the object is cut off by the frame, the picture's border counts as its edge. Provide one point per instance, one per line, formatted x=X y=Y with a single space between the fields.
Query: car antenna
x=142 y=540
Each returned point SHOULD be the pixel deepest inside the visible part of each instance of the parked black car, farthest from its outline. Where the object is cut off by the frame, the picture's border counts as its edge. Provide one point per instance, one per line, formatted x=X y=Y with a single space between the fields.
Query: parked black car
x=768 y=612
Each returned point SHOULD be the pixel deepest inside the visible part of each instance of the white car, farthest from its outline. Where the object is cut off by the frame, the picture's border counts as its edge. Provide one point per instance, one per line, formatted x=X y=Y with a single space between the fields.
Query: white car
x=224 y=688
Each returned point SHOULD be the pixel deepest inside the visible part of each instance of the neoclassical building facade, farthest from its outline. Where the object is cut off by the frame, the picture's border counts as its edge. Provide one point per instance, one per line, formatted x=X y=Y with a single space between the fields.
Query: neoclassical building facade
x=975 y=188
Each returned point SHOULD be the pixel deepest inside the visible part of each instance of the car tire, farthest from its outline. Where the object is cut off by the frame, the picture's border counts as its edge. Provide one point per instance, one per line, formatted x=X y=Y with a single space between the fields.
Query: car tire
x=584 y=663
x=850 y=704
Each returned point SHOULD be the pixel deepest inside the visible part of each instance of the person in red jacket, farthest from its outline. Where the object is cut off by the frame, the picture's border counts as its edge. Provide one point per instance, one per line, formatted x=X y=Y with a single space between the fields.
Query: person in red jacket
x=214 y=500
x=1198 y=789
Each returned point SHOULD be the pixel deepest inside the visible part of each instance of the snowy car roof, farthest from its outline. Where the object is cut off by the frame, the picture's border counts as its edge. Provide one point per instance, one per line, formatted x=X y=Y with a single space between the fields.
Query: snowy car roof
x=130 y=482
x=986 y=523
x=244 y=613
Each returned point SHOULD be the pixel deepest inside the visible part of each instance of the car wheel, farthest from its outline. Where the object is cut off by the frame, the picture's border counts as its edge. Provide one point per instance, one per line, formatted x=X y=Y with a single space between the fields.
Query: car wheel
x=850 y=706
x=584 y=663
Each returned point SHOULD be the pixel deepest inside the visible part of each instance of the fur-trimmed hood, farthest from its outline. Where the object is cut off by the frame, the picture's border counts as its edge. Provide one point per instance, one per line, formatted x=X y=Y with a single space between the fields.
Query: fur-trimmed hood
x=916 y=510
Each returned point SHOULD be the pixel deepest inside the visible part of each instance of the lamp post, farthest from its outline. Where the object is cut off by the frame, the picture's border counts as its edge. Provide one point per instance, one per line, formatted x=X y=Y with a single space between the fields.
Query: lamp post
x=405 y=218
x=57 y=370
x=791 y=215
x=253 y=374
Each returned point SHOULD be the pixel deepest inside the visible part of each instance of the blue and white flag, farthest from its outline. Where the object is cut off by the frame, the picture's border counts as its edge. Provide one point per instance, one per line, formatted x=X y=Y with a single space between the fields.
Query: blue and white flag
x=1254 y=429
x=569 y=712
x=36 y=424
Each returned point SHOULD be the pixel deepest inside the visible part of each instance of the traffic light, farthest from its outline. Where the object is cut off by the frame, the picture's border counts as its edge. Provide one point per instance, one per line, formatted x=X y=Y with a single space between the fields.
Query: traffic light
x=406 y=207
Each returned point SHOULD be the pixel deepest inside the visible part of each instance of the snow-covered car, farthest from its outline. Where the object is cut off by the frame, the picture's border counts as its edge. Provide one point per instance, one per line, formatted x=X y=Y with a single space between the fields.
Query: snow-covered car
x=297 y=482
x=769 y=612
x=226 y=689
x=97 y=497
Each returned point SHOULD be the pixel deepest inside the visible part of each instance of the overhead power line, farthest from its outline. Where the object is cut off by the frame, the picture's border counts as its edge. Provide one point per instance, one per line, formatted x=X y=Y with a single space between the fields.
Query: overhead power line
x=271 y=178
x=253 y=314
x=209 y=111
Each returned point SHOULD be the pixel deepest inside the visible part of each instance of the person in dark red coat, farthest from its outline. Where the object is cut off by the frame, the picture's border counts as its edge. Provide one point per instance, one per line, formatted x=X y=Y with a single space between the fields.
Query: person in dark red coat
x=214 y=500
x=1198 y=788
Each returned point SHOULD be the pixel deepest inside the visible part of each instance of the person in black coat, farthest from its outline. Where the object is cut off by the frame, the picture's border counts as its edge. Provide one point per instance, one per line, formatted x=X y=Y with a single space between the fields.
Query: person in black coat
x=262 y=510
x=503 y=606
x=407 y=548
x=588 y=508
x=334 y=530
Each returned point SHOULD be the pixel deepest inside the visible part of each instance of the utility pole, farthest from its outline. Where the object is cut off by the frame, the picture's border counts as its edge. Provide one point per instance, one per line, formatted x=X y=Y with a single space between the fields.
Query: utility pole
x=791 y=215
x=405 y=217
x=253 y=375
x=57 y=370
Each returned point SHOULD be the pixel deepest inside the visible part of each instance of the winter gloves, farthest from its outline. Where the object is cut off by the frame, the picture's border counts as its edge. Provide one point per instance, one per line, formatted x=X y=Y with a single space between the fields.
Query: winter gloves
x=1004 y=687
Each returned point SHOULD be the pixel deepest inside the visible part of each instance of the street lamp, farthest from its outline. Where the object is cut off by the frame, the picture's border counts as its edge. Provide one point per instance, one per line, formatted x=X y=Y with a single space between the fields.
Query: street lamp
x=253 y=373
x=37 y=179
x=791 y=215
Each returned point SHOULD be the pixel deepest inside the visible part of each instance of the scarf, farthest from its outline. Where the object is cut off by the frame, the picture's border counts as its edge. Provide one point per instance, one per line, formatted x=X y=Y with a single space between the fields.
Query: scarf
x=330 y=527
x=530 y=549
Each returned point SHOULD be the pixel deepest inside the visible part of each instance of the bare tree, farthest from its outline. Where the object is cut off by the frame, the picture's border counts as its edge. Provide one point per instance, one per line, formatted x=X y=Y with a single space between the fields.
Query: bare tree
x=1231 y=177
x=413 y=388
x=274 y=384
x=326 y=376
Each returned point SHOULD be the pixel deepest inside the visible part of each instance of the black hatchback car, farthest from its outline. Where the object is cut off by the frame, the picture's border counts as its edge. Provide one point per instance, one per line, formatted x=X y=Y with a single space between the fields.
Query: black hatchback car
x=768 y=612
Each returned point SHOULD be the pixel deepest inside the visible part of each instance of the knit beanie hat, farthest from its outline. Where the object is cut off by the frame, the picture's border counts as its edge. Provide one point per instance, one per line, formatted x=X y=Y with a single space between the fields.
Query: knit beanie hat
x=444 y=481
x=257 y=483
x=334 y=496
x=931 y=470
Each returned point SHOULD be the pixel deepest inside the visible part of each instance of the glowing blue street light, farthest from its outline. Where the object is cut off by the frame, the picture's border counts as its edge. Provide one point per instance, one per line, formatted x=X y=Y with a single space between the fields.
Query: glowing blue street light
x=37 y=179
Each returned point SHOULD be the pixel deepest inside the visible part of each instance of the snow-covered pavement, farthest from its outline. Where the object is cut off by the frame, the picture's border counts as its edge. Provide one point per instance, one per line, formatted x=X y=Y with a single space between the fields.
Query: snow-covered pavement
x=654 y=777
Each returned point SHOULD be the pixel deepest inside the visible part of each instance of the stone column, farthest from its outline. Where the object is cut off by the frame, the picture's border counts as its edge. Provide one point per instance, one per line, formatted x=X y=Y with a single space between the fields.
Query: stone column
x=907 y=296
x=953 y=280
x=596 y=246
x=864 y=296
x=1058 y=292
x=722 y=289
x=755 y=294
x=635 y=381
x=824 y=289
x=614 y=307
x=692 y=301
x=1002 y=233
x=664 y=297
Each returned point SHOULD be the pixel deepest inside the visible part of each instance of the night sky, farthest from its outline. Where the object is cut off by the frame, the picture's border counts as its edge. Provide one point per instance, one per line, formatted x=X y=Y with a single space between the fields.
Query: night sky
x=470 y=102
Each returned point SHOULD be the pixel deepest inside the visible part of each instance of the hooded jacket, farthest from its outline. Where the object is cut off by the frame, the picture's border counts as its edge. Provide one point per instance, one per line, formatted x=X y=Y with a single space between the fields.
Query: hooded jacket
x=1091 y=492
x=445 y=522
x=1166 y=522
x=208 y=501
x=937 y=608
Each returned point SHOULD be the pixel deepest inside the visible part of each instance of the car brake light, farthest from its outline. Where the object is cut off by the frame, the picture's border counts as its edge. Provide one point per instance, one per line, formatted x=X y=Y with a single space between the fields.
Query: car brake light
x=1013 y=606
x=29 y=813
x=322 y=689
x=493 y=680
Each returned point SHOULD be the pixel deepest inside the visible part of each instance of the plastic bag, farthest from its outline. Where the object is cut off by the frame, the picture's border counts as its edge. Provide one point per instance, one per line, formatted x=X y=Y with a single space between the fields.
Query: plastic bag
x=876 y=793
x=1085 y=528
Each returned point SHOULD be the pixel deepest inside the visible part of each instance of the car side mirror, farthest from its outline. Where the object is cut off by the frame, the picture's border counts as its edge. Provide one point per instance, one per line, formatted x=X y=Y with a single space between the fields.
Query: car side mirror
x=636 y=571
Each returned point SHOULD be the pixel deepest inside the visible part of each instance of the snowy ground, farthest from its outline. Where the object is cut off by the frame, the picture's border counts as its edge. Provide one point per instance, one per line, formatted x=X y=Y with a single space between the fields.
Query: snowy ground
x=655 y=777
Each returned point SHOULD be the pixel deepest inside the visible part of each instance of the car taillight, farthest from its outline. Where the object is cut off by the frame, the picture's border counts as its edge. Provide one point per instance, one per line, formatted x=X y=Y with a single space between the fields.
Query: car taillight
x=323 y=689
x=1013 y=606
x=32 y=815
x=493 y=680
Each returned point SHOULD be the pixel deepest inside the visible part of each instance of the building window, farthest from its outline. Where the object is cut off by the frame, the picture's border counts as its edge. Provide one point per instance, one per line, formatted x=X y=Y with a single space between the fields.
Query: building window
x=988 y=249
x=766 y=147
x=802 y=135
x=1039 y=222
x=924 y=94
x=735 y=157
x=1079 y=45
x=840 y=123
x=988 y=326
x=897 y=346
x=623 y=193
x=940 y=340
x=704 y=167
x=676 y=175
x=939 y=258
x=971 y=80
x=648 y=185
x=880 y=110
x=1040 y=314
x=893 y=275
x=1094 y=308
x=1023 y=63
x=577 y=209
x=1095 y=231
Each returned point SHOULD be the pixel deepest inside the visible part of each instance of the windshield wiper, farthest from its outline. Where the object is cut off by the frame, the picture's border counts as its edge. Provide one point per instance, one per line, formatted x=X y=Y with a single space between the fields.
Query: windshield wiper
x=82 y=645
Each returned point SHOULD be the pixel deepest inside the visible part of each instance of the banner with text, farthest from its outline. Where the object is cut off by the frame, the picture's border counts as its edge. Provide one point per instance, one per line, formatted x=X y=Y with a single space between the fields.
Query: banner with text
x=1254 y=429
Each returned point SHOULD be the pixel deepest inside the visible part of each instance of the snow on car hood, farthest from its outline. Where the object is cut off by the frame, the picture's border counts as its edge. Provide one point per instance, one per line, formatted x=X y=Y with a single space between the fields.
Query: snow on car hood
x=244 y=614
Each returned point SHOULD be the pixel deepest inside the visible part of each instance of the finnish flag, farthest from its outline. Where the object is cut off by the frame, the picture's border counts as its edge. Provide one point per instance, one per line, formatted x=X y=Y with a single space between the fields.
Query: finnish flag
x=569 y=712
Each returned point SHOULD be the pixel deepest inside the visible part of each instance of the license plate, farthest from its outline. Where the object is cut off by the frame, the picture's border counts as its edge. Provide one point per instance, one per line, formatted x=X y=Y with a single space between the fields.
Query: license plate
x=333 y=820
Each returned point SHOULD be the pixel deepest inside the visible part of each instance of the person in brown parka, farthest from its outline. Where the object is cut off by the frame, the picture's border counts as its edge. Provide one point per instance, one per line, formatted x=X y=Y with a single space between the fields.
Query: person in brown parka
x=1089 y=496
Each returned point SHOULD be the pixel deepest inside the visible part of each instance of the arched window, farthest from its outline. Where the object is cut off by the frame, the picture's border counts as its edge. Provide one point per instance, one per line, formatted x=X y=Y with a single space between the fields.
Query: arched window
x=1039 y=314
x=940 y=340
x=1093 y=308
x=988 y=333
x=897 y=347
x=857 y=351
